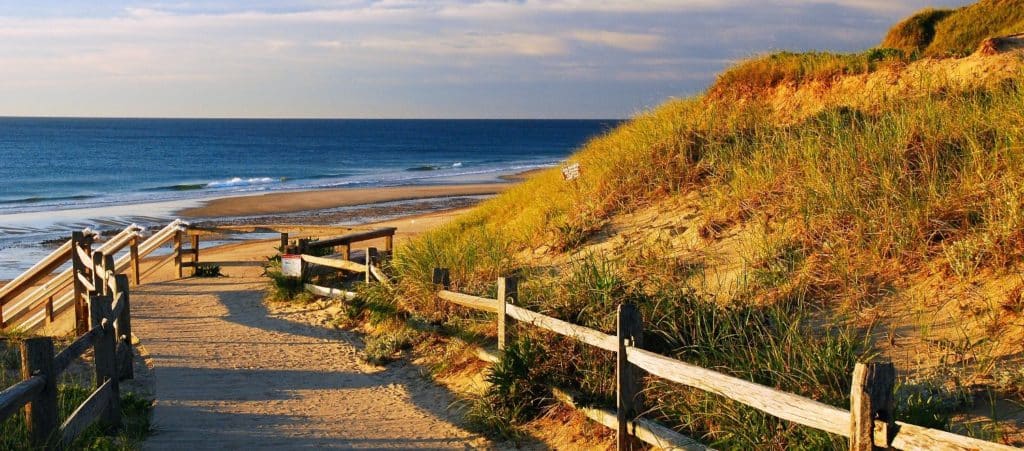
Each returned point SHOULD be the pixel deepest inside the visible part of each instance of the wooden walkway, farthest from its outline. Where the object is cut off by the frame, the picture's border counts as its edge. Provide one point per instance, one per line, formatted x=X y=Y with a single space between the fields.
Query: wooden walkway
x=230 y=375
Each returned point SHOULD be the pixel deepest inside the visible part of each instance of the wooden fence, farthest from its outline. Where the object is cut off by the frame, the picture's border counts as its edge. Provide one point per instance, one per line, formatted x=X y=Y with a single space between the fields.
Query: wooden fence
x=110 y=338
x=28 y=302
x=869 y=424
x=369 y=267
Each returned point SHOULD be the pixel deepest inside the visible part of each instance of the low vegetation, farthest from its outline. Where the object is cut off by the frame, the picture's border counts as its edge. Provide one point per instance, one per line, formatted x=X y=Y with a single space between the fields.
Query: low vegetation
x=779 y=251
x=72 y=392
x=207 y=270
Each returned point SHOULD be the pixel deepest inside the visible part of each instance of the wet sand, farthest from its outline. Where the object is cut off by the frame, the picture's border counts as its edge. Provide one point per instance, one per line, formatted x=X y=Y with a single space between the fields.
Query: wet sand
x=301 y=201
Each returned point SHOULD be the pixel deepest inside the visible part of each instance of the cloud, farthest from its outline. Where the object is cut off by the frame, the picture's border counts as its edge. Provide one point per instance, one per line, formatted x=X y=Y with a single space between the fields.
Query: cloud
x=634 y=42
x=321 y=55
x=472 y=44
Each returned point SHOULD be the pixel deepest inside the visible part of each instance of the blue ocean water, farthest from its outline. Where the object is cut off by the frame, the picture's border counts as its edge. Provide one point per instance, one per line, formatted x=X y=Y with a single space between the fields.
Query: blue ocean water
x=55 y=163
x=64 y=174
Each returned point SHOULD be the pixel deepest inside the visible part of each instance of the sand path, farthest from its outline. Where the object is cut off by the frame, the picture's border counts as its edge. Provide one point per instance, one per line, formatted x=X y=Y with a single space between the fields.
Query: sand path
x=231 y=374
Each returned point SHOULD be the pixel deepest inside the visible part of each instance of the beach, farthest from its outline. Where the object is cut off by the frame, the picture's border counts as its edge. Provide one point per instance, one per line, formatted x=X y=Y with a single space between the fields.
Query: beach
x=307 y=201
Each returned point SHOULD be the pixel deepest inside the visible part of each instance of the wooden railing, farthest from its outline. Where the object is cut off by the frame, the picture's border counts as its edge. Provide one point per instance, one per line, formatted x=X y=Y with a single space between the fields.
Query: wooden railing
x=27 y=302
x=305 y=245
x=371 y=255
x=870 y=422
x=110 y=338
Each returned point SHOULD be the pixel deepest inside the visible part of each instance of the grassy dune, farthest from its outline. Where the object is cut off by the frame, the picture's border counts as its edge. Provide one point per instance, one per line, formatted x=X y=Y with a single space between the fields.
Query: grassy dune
x=846 y=210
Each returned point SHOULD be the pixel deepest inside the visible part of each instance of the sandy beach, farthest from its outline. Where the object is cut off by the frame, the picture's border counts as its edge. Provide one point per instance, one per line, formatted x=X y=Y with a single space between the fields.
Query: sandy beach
x=301 y=201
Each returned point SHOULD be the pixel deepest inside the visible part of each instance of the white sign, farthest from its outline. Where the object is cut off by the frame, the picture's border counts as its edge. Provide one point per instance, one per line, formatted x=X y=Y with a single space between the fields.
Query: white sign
x=571 y=172
x=291 y=265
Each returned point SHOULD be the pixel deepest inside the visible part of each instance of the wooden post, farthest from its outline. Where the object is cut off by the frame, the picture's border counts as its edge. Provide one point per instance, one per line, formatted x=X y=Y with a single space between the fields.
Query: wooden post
x=49 y=310
x=871 y=399
x=442 y=278
x=123 y=328
x=41 y=412
x=134 y=249
x=303 y=245
x=284 y=242
x=389 y=242
x=370 y=251
x=105 y=358
x=627 y=375
x=177 y=251
x=508 y=292
x=346 y=251
x=78 y=267
x=195 y=254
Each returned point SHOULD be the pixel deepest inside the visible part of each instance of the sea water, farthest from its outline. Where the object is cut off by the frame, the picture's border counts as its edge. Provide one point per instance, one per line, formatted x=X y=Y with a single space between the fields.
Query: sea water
x=63 y=174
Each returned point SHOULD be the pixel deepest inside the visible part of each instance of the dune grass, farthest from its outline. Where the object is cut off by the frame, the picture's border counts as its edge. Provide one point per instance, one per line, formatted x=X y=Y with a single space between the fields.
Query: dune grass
x=915 y=33
x=962 y=31
x=851 y=204
x=782 y=68
x=859 y=201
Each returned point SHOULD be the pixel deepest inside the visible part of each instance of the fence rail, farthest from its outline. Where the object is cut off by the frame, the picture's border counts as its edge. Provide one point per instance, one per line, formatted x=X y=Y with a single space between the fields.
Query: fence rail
x=28 y=302
x=110 y=338
x=869 y=425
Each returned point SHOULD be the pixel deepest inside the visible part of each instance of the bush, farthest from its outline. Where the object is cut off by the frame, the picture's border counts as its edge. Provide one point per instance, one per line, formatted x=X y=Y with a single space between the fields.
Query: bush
x=207 y=270
x=515 y=392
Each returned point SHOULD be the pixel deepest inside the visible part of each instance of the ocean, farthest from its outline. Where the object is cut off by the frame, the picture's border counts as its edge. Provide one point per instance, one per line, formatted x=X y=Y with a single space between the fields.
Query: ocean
x=63 y=174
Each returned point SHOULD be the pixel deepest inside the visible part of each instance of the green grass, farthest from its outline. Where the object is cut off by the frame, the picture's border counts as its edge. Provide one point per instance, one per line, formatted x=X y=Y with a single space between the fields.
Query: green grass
x=915 y=33
x=961 y=32
x=788 y=68
x=846 y=206
x=853 y=203
x=135 y=414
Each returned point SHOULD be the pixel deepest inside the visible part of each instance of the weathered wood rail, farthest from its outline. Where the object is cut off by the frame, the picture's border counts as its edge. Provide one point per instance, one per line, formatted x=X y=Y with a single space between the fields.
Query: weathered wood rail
x=869 y=424
x=369 y=267
x=108 y=333
x=32 y=300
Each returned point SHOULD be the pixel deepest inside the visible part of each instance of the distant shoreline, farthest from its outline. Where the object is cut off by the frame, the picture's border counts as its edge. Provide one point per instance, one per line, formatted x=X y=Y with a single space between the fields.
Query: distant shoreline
x=312 y=200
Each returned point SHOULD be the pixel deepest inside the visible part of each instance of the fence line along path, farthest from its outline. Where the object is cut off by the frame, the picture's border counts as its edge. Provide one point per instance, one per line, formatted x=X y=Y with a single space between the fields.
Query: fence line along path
x=230 y=374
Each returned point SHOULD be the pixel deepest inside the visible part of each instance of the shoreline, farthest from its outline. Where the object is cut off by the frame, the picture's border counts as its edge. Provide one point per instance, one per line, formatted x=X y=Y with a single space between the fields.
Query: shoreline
x=292 y=202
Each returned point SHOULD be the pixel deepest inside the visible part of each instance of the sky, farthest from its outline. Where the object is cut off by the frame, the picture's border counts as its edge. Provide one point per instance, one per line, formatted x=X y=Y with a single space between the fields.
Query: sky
x=401 y=58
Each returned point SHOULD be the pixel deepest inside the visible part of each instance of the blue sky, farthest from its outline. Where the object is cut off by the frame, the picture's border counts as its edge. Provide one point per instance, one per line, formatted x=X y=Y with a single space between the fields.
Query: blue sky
x=400 y=58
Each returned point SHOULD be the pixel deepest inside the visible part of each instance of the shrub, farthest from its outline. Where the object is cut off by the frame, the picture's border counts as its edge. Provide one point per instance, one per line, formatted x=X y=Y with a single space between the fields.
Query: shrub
x=515 y=392
x=207 y=270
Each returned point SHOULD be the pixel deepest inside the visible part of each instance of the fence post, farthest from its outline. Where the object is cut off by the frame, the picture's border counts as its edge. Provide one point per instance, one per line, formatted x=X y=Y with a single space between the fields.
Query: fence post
x=370 y=251
x=135 y=263
x=508 y=292
x=177 y=251
x=41 y=412
x=284 y=242
x=346 y=252
x=105 y=358
x=78 y=267
x=627 y=375
x=303 y=243
x=195 y=253
x=871 y=398
x=442 y=278
x=123 y=328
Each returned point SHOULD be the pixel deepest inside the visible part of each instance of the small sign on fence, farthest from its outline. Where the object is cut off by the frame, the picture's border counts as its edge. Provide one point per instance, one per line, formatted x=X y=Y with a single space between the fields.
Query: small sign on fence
x=571 y=172
x=291 y=265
